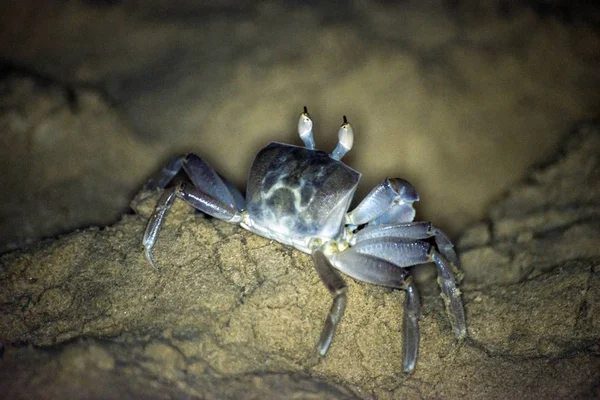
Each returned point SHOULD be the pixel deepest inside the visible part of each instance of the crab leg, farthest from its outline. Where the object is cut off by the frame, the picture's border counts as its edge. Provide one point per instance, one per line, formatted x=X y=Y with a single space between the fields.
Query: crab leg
x=405 y=254
x=370 y=269
x=413 y=230
x=194 y=197
x=398 y=252
x=391 y=196
x=336 y=286
x=409 y=230
x=165 y=175
x=202 y=176
x=412 y=313
x=451 y=296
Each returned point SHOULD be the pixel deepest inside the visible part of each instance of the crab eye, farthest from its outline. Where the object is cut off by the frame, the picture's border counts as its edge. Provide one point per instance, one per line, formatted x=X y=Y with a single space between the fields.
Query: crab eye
x=346 y=136
x=305 y=126
x=345 y=140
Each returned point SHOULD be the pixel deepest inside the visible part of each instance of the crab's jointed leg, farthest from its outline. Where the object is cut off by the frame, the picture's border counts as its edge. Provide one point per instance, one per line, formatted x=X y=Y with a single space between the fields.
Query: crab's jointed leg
x=194 y=197
x=370 y=269
x=202 y=176
x=209 y=193
x=451 y=296
x=337 y=287
x=166 y=174
x=389 y=202
x=413 y=230
x=408 y=253
x=410 y=329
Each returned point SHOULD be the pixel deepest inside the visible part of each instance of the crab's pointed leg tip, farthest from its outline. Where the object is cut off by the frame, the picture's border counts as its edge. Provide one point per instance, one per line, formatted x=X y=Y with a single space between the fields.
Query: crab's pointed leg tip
x=150 y=259
x=323 y=348
x=409 y=369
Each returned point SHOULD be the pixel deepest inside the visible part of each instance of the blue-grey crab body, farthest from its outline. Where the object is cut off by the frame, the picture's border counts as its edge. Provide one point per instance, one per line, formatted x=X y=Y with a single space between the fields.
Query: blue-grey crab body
x=299 y=196
x=296 y=195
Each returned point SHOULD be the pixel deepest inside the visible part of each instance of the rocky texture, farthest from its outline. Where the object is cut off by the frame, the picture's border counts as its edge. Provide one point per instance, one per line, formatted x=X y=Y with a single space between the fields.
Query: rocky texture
x=157 y=370
x=67 y=160
x=232 y=313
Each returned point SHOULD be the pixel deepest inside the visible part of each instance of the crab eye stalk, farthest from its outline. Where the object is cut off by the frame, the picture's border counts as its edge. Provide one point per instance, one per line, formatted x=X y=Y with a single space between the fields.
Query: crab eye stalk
x=305 y=126
x=345 y=140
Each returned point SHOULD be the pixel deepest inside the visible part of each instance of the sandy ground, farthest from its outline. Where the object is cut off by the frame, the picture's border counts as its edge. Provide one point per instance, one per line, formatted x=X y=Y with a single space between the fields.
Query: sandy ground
x=457 y=97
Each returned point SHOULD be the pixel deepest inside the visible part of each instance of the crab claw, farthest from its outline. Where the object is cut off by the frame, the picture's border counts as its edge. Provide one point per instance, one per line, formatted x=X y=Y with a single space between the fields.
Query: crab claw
x=345 y=140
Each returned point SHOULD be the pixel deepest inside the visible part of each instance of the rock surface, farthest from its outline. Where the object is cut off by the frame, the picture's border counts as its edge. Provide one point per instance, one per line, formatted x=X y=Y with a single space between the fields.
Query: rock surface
x=231 y=313
x=67 y=159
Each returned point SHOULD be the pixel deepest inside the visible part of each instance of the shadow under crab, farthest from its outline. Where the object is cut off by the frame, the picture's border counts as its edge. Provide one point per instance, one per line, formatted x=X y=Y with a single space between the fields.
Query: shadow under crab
x=300 y=196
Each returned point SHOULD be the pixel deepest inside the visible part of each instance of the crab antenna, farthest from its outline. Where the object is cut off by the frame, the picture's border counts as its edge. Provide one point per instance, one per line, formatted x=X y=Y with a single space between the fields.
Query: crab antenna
x=345 y=140
x=305 y=131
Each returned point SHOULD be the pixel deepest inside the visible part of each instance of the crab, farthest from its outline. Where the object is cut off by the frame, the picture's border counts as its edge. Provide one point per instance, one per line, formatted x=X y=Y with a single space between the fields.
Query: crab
x=300 y=196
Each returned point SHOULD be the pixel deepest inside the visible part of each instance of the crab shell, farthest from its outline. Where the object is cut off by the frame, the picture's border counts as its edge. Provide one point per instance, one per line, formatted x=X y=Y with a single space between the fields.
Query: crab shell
x=295 y=195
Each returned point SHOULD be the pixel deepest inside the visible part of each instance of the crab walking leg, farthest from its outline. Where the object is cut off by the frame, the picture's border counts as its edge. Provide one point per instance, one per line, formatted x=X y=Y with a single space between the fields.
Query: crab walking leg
x=205 y=178
x=155 y=222
x=410 y=230
x=391 y=192
x=400 y=253
x=413 y=230
x=194 y=197
x=370 y=269
x=405 y=254
x=451 y=296
x=412 y=313
x=238 y=198
x=337 y=287
x=165 y=175
x=445 y=246
x=202 y=176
